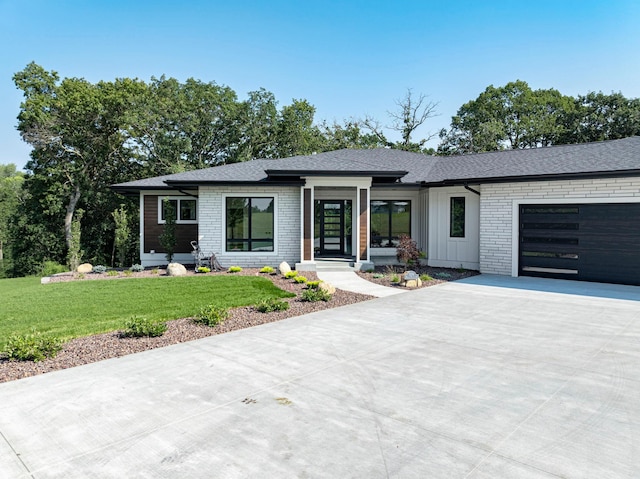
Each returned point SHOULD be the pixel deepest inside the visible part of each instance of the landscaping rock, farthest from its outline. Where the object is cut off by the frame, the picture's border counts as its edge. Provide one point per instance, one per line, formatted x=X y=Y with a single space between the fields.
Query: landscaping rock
x=176 y=269
x=411 y=280
x=329 y=288
x=85 y=268
x=284 y=268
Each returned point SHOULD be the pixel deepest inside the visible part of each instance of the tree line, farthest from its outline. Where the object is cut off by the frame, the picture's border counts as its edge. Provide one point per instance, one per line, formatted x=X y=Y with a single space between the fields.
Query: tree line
x=87 y=136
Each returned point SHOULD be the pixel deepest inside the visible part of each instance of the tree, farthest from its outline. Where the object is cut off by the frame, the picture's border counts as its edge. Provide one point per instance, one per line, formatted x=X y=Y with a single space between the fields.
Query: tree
x=348 y=135
x=11 y=182
x=76 y=130
x=122 y=234
x=512 y=116
x=411 y=114
x=167 y=238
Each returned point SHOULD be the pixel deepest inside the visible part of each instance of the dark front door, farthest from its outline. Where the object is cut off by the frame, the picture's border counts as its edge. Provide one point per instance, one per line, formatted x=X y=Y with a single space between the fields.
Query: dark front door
x=588 y=242
x=333 y=228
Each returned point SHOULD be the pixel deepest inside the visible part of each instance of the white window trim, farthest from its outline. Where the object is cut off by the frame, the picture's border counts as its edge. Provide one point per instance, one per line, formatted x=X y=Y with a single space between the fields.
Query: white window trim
x=275 y=223
x=178 y=199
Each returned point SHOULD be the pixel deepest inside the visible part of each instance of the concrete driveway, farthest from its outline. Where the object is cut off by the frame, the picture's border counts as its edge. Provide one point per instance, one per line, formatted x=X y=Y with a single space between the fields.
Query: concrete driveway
x=483 y=378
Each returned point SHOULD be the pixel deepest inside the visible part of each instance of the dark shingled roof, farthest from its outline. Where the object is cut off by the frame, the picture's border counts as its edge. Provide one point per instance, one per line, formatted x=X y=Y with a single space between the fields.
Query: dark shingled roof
x=587 y=159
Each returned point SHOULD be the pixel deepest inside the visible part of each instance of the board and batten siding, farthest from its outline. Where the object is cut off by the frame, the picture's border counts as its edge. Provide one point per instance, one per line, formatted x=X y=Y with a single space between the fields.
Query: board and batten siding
x=499 y=205
x=212 y=225
x=444 y=251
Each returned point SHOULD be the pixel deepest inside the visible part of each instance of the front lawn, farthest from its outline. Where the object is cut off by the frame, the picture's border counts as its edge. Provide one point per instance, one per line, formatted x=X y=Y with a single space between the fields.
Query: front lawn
x=80 y=308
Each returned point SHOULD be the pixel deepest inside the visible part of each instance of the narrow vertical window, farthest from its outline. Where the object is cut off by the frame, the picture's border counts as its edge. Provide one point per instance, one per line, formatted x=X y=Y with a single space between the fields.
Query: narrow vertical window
x=456 y=223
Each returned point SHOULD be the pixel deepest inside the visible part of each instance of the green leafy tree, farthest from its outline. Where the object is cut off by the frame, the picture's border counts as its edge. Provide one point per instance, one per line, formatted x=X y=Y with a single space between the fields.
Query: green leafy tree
x=508 y=117
x=74 y=252
x=122 y=234
x=11 y=182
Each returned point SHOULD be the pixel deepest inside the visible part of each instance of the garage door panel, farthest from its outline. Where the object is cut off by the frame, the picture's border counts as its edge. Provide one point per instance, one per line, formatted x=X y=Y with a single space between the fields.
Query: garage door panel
x=591 y=242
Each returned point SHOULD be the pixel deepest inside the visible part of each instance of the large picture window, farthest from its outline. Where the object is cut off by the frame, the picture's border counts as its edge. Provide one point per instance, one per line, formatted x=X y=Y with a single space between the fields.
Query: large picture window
x=456 y=223
x=249 y=224
x=184 y=209
x=389 y=220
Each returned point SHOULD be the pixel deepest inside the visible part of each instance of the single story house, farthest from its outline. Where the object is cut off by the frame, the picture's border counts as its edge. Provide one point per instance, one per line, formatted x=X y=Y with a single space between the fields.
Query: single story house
x=570 y=211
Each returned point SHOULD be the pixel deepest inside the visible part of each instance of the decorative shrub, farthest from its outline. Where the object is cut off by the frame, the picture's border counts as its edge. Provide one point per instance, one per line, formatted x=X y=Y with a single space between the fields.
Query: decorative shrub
x=378 y=276
x=425 y=277
x=49 y=268
x=154 y=271
x=127 y=272
x=140 y=327
x=137 y=268
x=443 y=275
x=268 y=270
x=100 y=269
x=235 y=269
x=300 y=279
x=32 y=347
x=271 y=305
x=211 y=315
x=407 y=250
x=203 y=269
x=313 y=284
x=291 y=274
x=112 y=273
x=395 y=278
x=314 y=295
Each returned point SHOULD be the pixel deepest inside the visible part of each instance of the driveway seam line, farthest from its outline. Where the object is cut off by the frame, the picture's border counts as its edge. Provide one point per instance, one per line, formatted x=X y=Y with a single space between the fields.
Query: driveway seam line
x=16 y=454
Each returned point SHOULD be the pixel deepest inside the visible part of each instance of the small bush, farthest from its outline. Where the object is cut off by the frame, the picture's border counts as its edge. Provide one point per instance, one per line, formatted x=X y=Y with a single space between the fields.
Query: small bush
x=49 y=268
x=80 y=276
x=211 y=315
x=395 y=278
x=378 y=276
x=235 y=269
x=100 y=269
x=32 y=347
x=203 y=269
x=425 y=277
x=271 y=305
x=313 y=284
x=137 y=268
x=268 y=270
x=300 y=279
x=407 y=250
x=113 y=272
x=291 y=274
x=314 y=295
x=443 y=275
x=127 y=272
x=138 y=327
x=154 y=271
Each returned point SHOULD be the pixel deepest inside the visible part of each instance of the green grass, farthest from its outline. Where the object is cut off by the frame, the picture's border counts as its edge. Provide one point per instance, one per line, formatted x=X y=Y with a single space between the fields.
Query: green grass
x=81 y=308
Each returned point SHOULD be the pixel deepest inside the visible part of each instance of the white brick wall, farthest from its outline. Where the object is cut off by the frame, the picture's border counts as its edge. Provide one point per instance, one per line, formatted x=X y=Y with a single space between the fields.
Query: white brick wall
x=498 y=234
x=211 y=227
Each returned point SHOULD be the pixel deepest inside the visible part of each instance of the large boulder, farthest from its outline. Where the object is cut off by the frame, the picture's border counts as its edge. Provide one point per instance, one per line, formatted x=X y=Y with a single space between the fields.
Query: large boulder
x=284 y=268
x=176 y=269
x=85 y=268
x=410 y=279
x=328 y=287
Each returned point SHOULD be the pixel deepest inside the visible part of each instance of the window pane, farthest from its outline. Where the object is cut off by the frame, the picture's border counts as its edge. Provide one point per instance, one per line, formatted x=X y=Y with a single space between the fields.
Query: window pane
x=258 y=245
x=188 y=210
x=379 y=223
x=173 y=204
x=237 y=219
x=261 y=218
x=456 y=225
x=234 y=245
x=400 y=218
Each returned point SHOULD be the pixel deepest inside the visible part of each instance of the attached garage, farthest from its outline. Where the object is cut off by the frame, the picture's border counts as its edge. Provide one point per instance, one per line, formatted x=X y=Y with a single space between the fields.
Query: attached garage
x=581 y=241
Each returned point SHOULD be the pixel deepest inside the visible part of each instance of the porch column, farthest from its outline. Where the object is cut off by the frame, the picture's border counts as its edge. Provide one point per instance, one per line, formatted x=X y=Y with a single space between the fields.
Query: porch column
x=362 y=253
x=307 y=224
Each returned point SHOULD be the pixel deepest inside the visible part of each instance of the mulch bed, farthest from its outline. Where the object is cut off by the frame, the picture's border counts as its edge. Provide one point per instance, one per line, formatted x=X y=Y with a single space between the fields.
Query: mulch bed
x=383 y=275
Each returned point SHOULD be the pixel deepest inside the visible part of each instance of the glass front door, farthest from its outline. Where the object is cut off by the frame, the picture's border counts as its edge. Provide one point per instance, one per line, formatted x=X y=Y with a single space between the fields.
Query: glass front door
x=333 y=227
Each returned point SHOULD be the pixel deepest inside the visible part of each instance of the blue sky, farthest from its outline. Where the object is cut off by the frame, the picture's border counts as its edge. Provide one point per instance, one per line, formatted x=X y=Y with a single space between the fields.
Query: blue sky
x=347 y=58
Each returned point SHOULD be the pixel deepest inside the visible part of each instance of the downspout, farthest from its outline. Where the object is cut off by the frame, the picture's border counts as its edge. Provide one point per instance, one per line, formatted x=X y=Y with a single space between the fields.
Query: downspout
x=467 y=187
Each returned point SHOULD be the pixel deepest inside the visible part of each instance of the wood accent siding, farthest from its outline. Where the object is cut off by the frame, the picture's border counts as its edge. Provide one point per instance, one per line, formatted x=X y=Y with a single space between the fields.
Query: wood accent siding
x=364 y=231
x=152 y=230
x=308 y=234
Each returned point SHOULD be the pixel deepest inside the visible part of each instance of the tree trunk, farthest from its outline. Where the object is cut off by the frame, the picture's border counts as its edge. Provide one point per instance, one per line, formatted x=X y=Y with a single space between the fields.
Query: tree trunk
x=68 y=218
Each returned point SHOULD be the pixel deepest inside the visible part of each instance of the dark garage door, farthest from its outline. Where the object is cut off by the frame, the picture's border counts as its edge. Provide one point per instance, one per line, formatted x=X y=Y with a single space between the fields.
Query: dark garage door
x=587 y=242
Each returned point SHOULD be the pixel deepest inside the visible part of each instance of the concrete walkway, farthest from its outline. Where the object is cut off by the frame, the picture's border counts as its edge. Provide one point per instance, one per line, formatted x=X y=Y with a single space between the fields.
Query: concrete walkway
x=459 y=380
x=350 y=281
